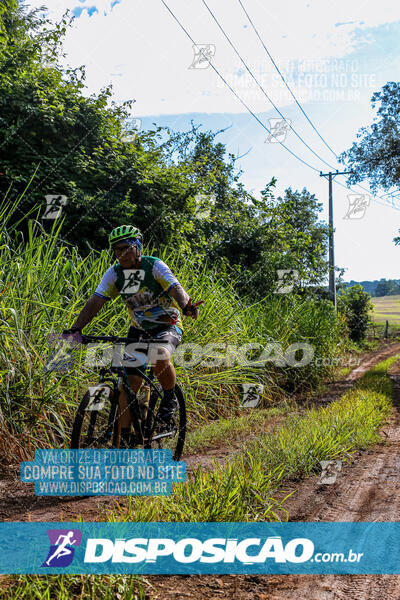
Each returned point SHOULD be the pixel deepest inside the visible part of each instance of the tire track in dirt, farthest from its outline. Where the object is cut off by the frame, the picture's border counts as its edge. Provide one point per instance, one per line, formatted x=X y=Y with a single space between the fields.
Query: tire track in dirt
x=19 y=503
x=367 y=489
x=223 y=453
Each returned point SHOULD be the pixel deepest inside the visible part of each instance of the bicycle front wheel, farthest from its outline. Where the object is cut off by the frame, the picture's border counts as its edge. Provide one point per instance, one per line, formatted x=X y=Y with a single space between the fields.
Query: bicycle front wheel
x=155 y=436
x=96 y=423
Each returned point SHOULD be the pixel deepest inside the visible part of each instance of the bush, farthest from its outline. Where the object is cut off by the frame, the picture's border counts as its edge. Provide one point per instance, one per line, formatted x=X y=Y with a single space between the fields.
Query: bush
x=355 y=304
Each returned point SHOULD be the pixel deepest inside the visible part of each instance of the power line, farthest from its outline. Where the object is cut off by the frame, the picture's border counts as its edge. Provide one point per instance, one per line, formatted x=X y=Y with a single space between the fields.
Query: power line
x=385 y=203
x=369 y=192
x=393 y=195
x=260 y=86
x=304 y=113
x=252 y=113
x=237 y=95
x=284 y=81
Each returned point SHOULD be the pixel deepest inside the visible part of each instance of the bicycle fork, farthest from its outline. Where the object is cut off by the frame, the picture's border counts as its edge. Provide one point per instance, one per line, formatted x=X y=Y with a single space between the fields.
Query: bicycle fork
x=114 y=404
x=134 y=410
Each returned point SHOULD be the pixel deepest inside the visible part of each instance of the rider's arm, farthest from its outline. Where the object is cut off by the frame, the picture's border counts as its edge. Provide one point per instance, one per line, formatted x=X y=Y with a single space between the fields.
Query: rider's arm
x=170 y=284
x=185 y=302
x=179 y=294
x=89 y=311
x=163 y=274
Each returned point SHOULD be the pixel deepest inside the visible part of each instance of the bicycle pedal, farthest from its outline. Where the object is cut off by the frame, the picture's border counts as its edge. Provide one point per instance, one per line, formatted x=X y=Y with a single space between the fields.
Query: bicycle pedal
x=105 y=438
x=167 y=426
x=128 y=444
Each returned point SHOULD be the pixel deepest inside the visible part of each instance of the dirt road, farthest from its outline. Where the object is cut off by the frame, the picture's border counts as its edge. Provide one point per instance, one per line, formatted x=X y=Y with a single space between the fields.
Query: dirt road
x=366 y=490
x=19 y=503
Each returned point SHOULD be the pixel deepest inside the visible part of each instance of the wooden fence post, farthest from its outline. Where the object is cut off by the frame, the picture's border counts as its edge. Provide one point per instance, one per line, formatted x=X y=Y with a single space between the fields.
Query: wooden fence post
x=386 y=334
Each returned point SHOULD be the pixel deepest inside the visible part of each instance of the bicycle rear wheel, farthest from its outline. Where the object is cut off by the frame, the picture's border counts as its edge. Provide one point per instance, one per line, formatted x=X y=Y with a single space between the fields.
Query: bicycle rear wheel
x=96 y=422
x=153 y=434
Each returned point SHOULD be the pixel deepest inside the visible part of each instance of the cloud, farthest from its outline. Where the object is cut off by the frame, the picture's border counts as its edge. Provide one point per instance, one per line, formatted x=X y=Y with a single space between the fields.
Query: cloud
x=345 y=23
x=139 y=47
x=56 y=8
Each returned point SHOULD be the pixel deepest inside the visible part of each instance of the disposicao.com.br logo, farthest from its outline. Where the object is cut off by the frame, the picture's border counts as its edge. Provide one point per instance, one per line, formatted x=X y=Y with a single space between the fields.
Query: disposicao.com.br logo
x=213 y=550
x=169 y=553
x=196 y=548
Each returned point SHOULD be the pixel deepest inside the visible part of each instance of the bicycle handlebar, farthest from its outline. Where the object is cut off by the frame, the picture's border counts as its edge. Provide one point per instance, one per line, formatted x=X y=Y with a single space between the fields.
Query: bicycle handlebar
x=86 y=339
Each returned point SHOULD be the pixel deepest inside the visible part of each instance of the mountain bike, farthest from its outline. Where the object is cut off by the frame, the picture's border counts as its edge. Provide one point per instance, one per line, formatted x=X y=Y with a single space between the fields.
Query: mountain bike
x=98 y=419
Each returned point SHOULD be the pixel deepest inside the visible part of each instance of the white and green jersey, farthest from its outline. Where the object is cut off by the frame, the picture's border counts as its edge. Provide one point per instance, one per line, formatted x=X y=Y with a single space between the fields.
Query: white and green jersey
x=145 y=291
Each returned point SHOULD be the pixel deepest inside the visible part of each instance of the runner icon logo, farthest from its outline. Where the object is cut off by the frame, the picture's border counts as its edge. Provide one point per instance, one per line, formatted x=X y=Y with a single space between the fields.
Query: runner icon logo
x=358 y=204
x=252 y=394
x=330 y=471
x=203 y=53
x=61 y=553
x=54 y=206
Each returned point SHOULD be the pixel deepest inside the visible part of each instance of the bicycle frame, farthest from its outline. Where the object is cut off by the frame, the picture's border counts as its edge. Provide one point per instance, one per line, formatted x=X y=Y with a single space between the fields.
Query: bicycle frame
x=146 y=419
x=146 y=374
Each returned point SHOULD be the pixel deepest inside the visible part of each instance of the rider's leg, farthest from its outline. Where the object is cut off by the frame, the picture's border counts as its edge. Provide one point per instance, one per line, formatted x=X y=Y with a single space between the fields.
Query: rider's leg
x=165 y=373
x=160 y=358
x=135 y=382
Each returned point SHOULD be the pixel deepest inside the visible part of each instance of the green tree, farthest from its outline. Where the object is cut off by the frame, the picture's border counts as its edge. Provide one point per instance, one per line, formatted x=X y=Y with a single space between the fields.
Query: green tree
x=179 y=188
x=376 y=154
x=48 y=126
x=288 y=236
x=387 y=288
x=76 y=146
x=355 y=304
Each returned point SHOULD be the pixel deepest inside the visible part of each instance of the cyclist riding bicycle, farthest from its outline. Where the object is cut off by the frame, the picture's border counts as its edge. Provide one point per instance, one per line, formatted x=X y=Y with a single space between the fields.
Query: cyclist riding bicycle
x=153 y=296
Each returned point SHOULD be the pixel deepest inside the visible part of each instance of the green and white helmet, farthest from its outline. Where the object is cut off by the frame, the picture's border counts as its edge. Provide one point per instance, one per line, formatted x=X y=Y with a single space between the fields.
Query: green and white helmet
x=124 y=232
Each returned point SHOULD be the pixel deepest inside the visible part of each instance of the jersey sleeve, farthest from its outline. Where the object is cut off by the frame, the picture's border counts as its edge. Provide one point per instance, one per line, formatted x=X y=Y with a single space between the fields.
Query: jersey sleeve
x=164 y=276
x=107 y=287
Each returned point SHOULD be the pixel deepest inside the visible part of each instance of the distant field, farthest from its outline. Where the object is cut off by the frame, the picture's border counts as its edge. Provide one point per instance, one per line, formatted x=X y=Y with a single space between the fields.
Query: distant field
x=386 y=308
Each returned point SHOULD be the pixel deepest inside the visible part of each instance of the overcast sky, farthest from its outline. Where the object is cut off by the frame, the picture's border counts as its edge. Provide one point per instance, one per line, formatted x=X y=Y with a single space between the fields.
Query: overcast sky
x=333 y=54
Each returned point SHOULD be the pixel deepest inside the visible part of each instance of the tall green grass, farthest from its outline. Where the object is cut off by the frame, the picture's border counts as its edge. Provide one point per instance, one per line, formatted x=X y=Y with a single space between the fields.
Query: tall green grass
x=242 y=491
x=45 y=283
x=246 y=488
x=68 y=587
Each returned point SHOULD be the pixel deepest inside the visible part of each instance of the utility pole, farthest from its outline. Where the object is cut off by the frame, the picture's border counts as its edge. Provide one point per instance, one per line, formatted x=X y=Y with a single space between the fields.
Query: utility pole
x=332 y=286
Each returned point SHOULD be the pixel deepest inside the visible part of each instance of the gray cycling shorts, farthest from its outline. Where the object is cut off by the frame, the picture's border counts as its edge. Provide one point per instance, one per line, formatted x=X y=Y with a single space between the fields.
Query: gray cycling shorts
x=141 y=352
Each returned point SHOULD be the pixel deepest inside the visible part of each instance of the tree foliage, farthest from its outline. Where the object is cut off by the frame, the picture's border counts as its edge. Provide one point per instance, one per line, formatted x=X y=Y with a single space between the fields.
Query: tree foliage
x=387 y=288
x=376 y=155
x=181 y=189
x=355 y=304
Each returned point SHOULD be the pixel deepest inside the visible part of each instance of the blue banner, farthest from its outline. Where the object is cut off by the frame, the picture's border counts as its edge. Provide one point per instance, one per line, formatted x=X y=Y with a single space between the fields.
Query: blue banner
x=90 y=472
x=196 y=548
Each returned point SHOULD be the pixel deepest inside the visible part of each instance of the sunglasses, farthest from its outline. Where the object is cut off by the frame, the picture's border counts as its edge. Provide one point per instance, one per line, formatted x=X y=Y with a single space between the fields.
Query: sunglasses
x=121 y=249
